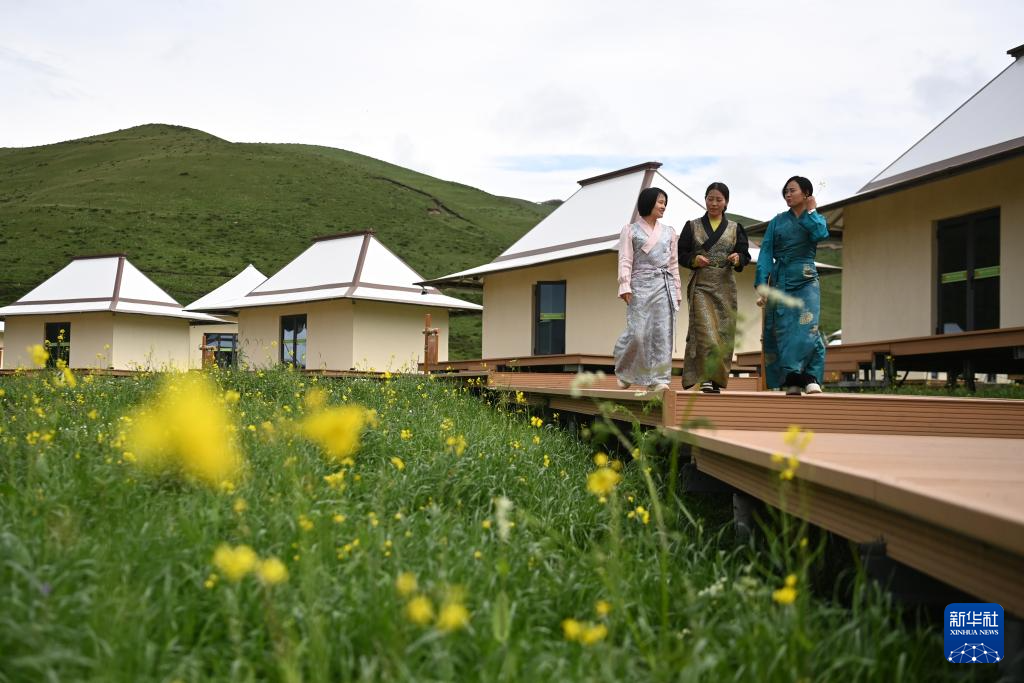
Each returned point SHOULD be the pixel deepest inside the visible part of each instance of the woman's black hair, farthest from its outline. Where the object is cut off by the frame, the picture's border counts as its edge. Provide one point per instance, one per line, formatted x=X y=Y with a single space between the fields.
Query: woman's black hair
x=804 y=183
x=648 y=198
x=721 y=187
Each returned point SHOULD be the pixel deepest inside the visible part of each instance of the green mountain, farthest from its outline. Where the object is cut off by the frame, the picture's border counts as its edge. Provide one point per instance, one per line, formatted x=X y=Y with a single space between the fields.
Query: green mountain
x=191 y=210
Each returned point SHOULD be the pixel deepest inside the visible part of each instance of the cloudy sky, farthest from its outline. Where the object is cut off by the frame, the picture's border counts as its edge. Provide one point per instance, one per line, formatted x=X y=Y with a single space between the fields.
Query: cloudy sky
x=521 y=98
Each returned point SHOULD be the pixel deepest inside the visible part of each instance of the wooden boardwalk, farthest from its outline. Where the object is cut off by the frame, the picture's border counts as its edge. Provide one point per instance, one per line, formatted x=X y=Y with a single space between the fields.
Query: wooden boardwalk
x=939 y=481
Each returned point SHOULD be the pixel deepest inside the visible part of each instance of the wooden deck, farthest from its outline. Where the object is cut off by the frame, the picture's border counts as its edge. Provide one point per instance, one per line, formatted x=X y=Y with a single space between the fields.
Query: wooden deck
x=997 y=351
x=939 y=481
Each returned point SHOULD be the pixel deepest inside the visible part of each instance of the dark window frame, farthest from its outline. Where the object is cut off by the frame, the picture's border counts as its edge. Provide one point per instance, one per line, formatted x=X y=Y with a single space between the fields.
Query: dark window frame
x=299 y=361
x=971 y=272
x=536 y=317
x=57 y=347
x=224 y=356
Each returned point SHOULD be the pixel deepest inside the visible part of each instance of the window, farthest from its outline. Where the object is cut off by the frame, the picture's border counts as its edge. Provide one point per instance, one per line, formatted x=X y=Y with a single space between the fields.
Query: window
x=58 y=343
x=293 y=340
x=220 y=349
x=549 y=318
x=968 y=273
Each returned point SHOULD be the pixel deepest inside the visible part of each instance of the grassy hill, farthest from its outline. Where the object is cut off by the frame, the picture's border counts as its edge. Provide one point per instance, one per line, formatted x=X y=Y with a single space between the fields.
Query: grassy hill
x=191 y=209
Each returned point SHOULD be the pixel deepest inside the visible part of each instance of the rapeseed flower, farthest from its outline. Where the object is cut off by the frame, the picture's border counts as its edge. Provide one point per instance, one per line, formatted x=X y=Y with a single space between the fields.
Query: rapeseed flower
x=603 y=608
x=601 y=482
x=406 y=584
x=272 y=571
x=453 y=616
x=336 y=481
x=456 y=444
x=536 y=421
x=571 y=629
x=234 y=563
x=185 y=429
x=398 y=463
x=405 y=434
x=593 y=633
x=787 y=594
x=337 y=431
x=39 y=354
x=420 y=610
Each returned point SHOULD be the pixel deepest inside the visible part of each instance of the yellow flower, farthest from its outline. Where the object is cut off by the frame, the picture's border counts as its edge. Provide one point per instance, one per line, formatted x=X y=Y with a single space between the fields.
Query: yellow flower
x=787 y=594
x=778 y=458
x=338 y=519
x=92 y=414
x=69 y=377
x=231 y=396
x=536 y=421
x=419 y=610
x=397 y=462
x=601 y=459
x=640 y=514
x=520 y=398
x=406 y=584
x=272 y=571
x=406 y=434
x=185 y=429
x=337 y=430
x=305 y=523
x=547 y=460
x=456 y=444
x=571 y=629
x=602 y=608
x=240 y=506
x=593 y=633
x=234 y=563
x=601 y=482
x=536 y=440
x=486 y=524
x=39 y=354
x=453 y=616
x=336 y=481
x=315 y=398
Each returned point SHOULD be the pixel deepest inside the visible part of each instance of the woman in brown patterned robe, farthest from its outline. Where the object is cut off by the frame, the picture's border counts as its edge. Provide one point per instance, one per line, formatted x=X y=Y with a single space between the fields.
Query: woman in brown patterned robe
x=714 y=248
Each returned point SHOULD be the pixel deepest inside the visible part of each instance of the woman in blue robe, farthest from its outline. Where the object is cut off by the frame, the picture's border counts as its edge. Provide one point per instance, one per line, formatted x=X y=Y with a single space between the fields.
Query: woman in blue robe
x=794 y=352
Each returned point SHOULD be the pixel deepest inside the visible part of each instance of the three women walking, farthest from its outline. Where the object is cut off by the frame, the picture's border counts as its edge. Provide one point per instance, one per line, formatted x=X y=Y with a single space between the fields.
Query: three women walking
x=649 y=284
x=714 y=248
x=794 y=352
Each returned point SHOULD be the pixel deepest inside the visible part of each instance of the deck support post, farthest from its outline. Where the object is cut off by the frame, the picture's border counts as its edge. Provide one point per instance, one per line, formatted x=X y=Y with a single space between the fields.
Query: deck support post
x=1012 y=664
x=743 y=507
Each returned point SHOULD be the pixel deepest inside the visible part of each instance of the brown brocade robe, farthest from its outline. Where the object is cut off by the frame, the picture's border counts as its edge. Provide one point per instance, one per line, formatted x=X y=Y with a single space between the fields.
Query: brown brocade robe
x=711 y=295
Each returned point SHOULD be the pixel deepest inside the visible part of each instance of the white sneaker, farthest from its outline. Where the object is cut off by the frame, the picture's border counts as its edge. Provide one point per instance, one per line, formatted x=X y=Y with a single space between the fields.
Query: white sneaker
x=659 y=387
x=795 y=391
x=622 y=385
x=813 y=388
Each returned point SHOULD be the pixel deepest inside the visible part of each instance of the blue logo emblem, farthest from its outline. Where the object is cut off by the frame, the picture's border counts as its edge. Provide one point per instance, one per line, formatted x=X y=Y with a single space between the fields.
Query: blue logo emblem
x=974 y=633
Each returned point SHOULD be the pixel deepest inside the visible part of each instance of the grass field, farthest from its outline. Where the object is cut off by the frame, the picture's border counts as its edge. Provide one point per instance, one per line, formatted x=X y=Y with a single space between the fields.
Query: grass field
x=243 y=530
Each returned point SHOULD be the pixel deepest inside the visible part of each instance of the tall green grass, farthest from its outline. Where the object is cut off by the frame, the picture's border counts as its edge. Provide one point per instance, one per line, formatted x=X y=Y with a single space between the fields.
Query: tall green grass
x=106 y=570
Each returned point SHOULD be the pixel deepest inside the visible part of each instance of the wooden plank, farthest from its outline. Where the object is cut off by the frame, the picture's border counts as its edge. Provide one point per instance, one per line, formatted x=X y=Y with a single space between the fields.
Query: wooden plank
x=989 y=572
x=888 y=471
x=860 y=413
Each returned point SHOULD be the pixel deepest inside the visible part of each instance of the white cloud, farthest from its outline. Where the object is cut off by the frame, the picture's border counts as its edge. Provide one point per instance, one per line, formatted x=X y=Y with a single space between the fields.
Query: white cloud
x=520 y=99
